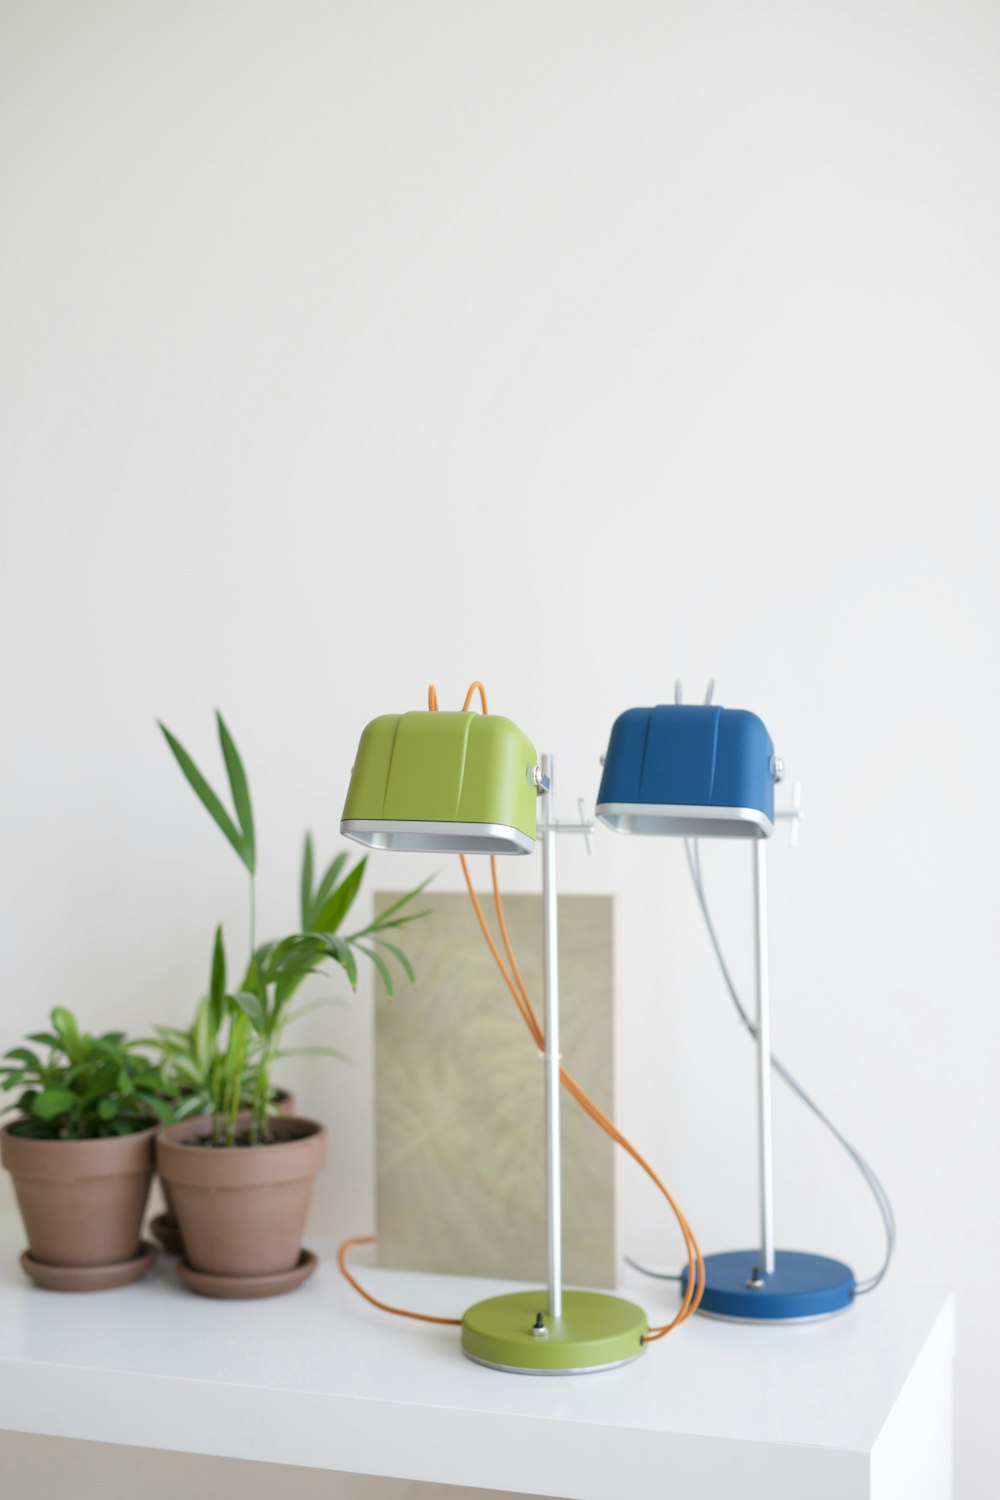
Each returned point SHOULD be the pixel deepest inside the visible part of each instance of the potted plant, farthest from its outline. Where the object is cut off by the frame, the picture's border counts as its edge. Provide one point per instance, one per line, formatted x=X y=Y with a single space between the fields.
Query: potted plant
x=81 y=1152
x=194 y=1059
x=239 y=1175
x=191 y=1059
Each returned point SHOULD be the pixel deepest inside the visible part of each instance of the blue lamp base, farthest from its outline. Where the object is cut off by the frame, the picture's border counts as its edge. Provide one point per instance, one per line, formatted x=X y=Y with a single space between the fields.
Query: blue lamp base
x=799 y=1288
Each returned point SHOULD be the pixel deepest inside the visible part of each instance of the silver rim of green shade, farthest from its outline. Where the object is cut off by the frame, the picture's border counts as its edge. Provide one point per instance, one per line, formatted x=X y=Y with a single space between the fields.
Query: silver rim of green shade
x=415 y=837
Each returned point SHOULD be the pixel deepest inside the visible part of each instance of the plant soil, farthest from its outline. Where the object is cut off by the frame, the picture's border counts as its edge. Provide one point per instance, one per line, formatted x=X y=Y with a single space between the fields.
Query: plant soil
x=245 y=1141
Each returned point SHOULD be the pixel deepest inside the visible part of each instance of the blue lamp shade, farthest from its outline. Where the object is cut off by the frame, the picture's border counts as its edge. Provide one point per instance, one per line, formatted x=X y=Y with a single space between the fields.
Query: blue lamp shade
x=688 y=770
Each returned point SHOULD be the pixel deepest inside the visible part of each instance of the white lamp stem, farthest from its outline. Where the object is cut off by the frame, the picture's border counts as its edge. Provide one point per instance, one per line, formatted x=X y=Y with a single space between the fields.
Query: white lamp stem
x=553 y=1171
x=763 y=1057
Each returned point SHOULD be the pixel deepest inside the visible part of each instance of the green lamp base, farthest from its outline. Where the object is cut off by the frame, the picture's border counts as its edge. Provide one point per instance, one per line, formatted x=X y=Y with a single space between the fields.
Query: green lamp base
x=595 y=1332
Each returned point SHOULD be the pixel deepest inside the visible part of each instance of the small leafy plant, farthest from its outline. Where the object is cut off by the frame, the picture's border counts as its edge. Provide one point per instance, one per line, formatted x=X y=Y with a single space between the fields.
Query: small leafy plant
x=192 y=1058
x=85 y=1086
x=228 y=1054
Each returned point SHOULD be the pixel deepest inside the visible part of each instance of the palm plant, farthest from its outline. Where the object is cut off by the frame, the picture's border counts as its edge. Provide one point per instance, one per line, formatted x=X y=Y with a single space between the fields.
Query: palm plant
x=229 y=1052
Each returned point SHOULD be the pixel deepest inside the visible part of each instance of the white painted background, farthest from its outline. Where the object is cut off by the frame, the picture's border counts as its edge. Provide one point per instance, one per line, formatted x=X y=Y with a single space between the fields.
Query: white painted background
x=577 y=346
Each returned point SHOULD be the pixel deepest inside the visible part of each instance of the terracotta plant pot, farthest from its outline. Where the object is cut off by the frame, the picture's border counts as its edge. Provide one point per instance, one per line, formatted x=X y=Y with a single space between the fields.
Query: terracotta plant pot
x=242 y=1209
x=165 y=1226
x=82 y=1202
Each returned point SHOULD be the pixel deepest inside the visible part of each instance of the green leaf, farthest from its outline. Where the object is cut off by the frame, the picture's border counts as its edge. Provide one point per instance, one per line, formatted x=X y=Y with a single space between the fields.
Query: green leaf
x=107 y=1109
x=65 y=1027
x=189 y=1070
x=253 y=1008
x=52 y=1102
x=194 y=1104
x=339 y=902
x=262 y=959
x=399 y=955
x=289 y=947
x=252 y=978
x=297 y=955
x=387 y=926
x=287 y=985
x=208 y=798
x=380 y=964
x=168 y=1037
x=24 y=1055
x=199 y=1042
x=240 y=790
x=306 y=886
x=35 y=1130
x=217 y=989
x=149 y=1079
x=387 y=919
x=105 y=1048
x=160 y=1107
x=103 y=1080
x=330 y=877
x=338 y=949
x=44 y=1038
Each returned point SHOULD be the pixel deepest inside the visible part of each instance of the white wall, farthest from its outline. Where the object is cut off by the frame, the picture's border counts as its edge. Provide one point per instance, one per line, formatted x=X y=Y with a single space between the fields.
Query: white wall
x=579 y=347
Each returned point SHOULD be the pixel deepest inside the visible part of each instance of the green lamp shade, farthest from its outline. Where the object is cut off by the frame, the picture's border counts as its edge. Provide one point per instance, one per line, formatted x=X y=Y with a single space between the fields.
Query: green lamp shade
x=443 y=782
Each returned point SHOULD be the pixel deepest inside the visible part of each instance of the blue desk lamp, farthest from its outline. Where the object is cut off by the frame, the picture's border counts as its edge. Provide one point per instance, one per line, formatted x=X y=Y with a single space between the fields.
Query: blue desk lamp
x=709 y=772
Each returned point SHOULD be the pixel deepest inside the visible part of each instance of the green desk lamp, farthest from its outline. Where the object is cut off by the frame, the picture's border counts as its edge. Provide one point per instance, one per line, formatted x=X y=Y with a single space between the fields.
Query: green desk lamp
x=467 y=783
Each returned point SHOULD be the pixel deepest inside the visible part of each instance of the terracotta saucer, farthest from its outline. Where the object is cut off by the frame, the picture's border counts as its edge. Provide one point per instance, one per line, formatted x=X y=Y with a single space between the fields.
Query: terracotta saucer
x=167 y=1232
x=89 y=1278
x=235 y=1288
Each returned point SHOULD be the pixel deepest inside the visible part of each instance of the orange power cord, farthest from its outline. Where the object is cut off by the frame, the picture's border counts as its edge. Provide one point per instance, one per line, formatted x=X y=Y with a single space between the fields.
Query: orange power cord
x=515 y=983
x=401 y=1312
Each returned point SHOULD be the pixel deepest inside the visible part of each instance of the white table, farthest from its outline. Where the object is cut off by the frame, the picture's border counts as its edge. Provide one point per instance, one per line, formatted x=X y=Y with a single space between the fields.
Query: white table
x=858 y=1406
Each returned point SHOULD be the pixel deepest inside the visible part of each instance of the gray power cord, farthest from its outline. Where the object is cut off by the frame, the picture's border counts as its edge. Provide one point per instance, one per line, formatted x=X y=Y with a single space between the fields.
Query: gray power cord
x=877 y=1190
